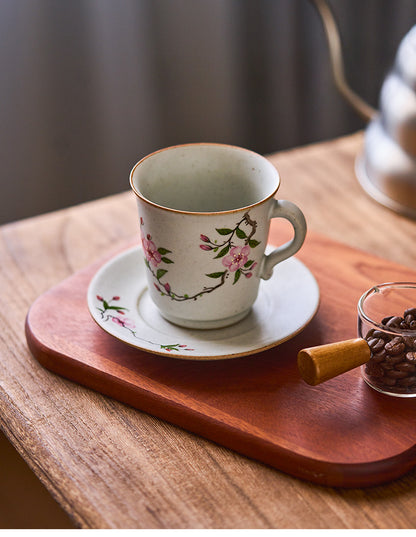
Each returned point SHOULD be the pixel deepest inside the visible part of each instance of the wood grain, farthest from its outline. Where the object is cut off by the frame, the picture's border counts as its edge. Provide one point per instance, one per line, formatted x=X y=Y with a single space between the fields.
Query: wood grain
x=328 y=360
x=111 y=466
x=257 y=405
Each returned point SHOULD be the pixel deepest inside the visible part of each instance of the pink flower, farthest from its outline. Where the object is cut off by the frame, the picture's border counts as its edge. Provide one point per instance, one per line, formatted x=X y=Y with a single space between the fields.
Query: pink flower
x=248 y=274
x=204 y=238
x=125 y=323
x=100 y=298
x=167 y=287
x=205 y=247
x=237 y=258
x=115 y=298
x=151 y=253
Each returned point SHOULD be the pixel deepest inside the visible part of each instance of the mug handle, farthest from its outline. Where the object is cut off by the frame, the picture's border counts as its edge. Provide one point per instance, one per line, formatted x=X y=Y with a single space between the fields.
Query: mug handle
x=290 y=211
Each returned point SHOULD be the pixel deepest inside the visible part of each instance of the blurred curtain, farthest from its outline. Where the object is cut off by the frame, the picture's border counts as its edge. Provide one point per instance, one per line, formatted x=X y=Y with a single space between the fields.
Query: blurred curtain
x=90 y=86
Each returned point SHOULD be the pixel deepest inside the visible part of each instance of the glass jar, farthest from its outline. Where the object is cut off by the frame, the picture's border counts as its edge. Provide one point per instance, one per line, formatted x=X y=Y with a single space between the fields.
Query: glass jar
x=387 y=321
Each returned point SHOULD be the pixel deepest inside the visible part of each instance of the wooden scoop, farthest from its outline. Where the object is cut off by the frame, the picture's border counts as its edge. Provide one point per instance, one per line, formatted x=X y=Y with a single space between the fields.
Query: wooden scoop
x=324 y=362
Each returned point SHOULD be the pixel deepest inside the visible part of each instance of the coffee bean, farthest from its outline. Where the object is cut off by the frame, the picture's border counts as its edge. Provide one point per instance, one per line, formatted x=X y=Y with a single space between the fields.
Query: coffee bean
x=406 y=366
x=387 y=365
x=388 y=381
x=407 y=381
x=408 y=319
x=395 y=346
x=392 y=365
x=379 y=334
x=394 y=374
x=410 y=342
x=386 y=319
x=395 y=359
x=394 y=322
x=411 y=357
x=376 y=344
x=374 y=370
x=379 y=356
x=369 y=334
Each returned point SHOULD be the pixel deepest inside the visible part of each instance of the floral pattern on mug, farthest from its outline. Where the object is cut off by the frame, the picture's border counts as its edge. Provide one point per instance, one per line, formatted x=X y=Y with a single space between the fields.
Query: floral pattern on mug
x=151 y=253
x=108 y=312
x=234 y=250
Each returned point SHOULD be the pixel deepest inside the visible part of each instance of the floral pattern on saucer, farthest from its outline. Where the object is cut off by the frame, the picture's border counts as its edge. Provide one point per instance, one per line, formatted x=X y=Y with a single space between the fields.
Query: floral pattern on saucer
x=111 y=312
x=119 y=301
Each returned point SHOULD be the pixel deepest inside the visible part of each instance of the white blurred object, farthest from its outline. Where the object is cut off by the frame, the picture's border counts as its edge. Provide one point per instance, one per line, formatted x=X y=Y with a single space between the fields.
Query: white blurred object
x=387 y=168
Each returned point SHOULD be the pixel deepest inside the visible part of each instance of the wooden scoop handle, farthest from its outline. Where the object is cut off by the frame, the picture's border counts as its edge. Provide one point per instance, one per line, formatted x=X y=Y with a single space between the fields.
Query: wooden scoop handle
x=318 y=364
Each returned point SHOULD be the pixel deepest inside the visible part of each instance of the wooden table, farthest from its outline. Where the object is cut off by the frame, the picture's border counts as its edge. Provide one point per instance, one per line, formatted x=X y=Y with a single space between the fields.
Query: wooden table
x=111 y=466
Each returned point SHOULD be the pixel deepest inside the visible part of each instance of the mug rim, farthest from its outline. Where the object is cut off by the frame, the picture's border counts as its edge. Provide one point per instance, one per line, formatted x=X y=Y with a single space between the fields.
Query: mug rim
x=207 y=213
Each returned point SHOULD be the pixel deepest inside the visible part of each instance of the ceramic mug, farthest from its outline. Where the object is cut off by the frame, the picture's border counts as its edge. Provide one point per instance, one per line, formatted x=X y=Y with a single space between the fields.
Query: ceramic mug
x=204 y=212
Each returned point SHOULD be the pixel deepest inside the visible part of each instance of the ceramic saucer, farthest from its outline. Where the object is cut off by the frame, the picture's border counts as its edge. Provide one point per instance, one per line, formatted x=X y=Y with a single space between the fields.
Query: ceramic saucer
x=119 y=301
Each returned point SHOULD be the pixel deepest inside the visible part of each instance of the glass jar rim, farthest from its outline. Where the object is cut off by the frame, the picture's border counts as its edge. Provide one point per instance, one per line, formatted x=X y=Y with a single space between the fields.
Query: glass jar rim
x=376 y=289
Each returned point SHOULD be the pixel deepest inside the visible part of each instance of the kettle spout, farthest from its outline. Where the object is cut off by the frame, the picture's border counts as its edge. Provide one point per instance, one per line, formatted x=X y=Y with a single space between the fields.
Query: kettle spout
x=387 y=168
x=366 y=111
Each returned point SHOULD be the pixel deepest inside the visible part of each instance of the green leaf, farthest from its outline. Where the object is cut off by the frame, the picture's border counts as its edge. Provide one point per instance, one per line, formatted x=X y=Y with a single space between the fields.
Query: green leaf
x=105 y=304
x=147 y=263
x=166 y=260
x=237 y=276
x=223 y=252
x=164 y=251
x=216 y=274
x=240 y=233
x=252 y=243
x=224 y=231
x=249 y=263
x=160 y=273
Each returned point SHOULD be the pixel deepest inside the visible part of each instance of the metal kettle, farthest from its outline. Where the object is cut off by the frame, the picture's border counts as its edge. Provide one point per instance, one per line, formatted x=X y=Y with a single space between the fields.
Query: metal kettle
x=386 y=169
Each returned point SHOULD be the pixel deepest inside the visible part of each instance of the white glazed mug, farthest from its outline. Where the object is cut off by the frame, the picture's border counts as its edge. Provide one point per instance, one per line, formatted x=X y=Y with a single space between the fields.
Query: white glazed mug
x=204 y=212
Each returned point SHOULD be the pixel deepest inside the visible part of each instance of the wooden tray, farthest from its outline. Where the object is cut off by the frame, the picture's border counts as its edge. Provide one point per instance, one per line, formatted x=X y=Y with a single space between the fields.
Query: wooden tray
x=341 y=433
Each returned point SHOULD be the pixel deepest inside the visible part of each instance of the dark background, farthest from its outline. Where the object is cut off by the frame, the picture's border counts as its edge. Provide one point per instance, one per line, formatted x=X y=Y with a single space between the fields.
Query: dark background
x=88 y=87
